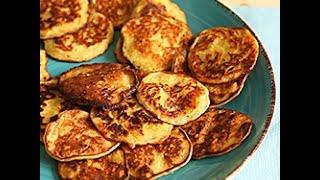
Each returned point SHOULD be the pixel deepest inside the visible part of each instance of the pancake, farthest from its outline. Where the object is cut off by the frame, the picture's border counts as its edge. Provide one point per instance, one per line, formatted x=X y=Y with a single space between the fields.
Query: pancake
x=221 y=94
x=100 y=84
x=130 y=123
x=52 y=103
x=88 y=42
x=73 y=137
x=58 y=17
x=118 y=11
x=108 y=167
x=217 y=132
x=173 y=98
x=45 y=77
x=152 y=42
x=221 y=55
x=155 y=160
x=164 y=7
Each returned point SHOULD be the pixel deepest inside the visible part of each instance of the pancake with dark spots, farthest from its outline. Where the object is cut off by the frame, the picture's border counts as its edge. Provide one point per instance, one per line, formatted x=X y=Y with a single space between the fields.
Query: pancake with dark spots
x=108 y=167
x=164 y=7
x=73 y=137
x=221 y=94
x=152 y=43
x=221 y=55
x=101 y=84
x=217 y=132
x=173 y=98
x=52 y=103
x=118 y=11
x=58 y=17
x=129 y=122
x=86 y=43
x=154 y=160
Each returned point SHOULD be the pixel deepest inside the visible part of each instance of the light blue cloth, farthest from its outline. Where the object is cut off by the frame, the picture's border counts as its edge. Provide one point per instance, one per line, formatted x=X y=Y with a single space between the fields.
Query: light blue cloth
x=265 y=163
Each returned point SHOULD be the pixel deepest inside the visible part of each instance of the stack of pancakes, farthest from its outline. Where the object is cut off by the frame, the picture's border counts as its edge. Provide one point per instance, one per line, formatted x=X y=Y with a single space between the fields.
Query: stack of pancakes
x=157 y=108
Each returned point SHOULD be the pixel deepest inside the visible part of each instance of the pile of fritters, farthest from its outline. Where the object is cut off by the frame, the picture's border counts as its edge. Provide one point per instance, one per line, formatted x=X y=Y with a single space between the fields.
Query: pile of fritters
x=155 y=109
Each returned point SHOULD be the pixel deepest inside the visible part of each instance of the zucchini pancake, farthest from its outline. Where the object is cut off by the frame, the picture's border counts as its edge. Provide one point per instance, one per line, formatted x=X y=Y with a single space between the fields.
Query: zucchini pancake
x=155 y=160
x=100 y=84
x=118 y=11
x=221 y=94
x=109 y=167
x=173 y=98
x=217 y=132
x=129 y=122
x=45 y=77
x=220 y=55
x=73 y=137
x=164 y=7
x=88 y=42
x=152 y=42
x=58 y=17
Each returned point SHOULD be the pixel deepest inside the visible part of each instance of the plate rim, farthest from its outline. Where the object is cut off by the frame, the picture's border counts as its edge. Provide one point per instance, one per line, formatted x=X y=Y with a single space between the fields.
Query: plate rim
x=263 y=52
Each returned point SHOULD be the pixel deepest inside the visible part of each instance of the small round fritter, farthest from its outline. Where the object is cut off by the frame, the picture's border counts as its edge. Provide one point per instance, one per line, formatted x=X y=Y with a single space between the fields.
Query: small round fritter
x=58 y=17
x=217 y=132
x=220 y=55
x=52 y=103
x=129 y=122
x=152 y=42
x=73 y=137
x=108 y=167
x=221 y=94
x=155 y=160
x=101 y=84
x=45 y=77
x=86 y=43
x=118 y=11
x=173 y=98
x=165 y=7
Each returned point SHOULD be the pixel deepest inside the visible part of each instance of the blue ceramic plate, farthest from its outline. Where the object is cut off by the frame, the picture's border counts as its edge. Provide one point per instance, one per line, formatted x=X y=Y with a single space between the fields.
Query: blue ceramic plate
x=256 y=99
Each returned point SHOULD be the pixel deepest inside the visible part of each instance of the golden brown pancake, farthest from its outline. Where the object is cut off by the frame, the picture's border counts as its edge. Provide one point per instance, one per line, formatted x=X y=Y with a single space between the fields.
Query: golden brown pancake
x=153 y=42
x=173 y=98
x=88 y=42
x=58 y=17
x=101 y=84
x=220 y=55
x=217 y=132
x=155 y=160
x=129 y=122
x=108 y=167
x=221 y=94
x=118 y=11
x=73 y=137
x=119 y=54
x=164 y=7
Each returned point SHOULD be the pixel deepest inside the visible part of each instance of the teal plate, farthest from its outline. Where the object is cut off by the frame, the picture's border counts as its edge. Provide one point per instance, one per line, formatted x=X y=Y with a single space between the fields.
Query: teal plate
x=256 y=99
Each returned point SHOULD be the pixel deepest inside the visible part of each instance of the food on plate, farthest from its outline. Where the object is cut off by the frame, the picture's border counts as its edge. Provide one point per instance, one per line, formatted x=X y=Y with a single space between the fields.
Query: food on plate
x=118 y=11
x=84 y=44
x=164 y=7
x=151 y=43
x=108 y=167
x=73 y=137
x=220 y=55
x=58 y=17
x=155 y=160
x=217 y=132
x=173 y=98
x=130 y=123
x=100 y=84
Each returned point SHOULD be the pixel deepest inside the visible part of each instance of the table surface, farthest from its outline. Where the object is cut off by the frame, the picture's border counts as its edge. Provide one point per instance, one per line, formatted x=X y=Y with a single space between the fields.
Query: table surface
x=265 y=163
